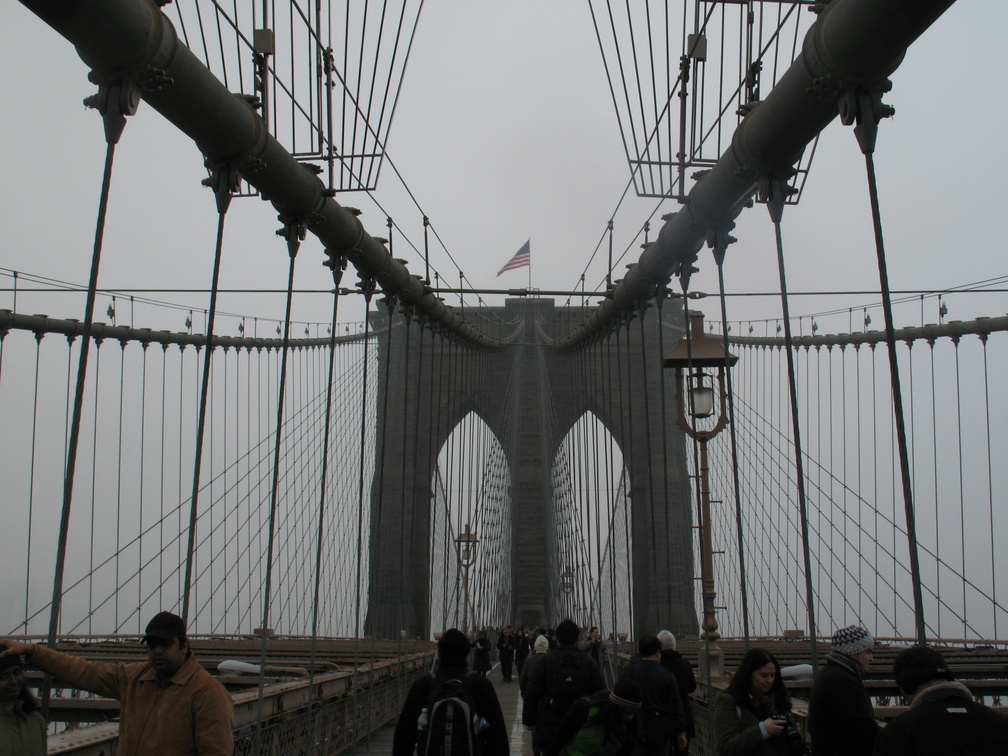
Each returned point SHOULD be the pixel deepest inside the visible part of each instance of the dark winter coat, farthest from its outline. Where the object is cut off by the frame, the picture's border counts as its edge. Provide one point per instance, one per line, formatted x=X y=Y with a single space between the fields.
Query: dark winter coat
x=944 y=720
x=685 y=682
x=737 y=731
x=536 y=709
x=484 y=700
x=481 y=656
x=840 y=716
x=661 y=717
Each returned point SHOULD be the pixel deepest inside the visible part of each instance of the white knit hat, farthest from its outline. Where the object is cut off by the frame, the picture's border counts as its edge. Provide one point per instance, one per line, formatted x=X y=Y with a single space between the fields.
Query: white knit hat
x=852 y=640
x=541 y=644
x=667 y=640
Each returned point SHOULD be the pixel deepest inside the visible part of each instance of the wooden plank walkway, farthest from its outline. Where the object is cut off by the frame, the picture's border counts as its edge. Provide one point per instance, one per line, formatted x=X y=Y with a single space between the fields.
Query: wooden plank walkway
x=380 y=743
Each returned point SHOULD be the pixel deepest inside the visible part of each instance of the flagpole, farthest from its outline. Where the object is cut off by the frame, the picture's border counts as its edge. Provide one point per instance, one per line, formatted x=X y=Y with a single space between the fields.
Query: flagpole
x=529 y=242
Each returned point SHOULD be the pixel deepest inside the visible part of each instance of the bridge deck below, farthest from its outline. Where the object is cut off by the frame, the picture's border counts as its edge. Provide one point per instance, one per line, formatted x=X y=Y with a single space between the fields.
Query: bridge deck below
x=380 y=742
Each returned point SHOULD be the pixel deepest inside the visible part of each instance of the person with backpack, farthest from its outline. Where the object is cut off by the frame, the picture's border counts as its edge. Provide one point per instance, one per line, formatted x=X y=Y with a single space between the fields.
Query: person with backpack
x=661 y=723
x=603 y=724
x=563 y=676
x=451 y=712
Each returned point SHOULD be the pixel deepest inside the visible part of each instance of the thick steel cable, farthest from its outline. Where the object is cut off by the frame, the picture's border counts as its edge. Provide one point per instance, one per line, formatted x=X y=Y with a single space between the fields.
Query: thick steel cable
x=71 y=464
x=337 y=272
x=201 y=416
x=733 y=439
x=31 y=479
x=776 y=207
x=274 y=489
x=904 y=455
x=119 y=484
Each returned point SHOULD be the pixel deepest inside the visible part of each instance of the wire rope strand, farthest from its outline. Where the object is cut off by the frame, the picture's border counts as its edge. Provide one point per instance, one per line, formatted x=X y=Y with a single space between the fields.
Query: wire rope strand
x=904 y=460
x=64 y=527
x=776 y=207
x=274 y=492
x=743 y=583
x=337 y=272
x=201 y=421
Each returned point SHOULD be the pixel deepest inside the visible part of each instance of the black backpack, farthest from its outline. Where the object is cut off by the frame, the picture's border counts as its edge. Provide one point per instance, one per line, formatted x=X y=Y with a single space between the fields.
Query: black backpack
x=568 y=682
x=450 y=724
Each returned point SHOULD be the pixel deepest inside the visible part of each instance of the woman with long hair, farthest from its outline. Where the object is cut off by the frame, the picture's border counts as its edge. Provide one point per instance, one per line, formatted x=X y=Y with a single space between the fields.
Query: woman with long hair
x=22 y=728
x=753 y=716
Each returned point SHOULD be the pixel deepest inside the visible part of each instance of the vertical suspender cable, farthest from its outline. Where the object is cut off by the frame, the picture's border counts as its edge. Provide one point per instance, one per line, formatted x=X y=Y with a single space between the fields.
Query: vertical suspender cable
x=719 y=256
x=337 y=267
x=113 y=129
x=293 y=244
x=31 y=480
x=222 y=176
x=867 y=147
x=775 y=204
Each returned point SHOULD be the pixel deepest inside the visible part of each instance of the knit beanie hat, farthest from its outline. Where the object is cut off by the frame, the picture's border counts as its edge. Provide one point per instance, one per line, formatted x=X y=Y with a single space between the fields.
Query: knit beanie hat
x=668 y=642
x=541 y=644
x=852 y=640
x=627 y=695
x=918 y=665
x=453 y=645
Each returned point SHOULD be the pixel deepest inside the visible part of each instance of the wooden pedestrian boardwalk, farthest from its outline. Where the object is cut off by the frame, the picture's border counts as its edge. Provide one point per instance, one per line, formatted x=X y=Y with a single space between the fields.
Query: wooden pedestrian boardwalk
x=380 y=742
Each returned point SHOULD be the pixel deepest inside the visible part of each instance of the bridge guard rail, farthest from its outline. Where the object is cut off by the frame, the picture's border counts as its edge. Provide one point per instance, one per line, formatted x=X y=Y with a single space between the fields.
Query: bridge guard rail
x=339 y=711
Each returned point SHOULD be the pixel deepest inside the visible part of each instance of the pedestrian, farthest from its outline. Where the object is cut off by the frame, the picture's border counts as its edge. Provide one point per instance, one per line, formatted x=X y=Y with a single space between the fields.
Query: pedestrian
x=481 y=654
x=427 y=716
x=594 y=646
x=674 y=662
x=943 y=719
x=661 y=722
x=599 y=725
x=752 y=717
x=565 y=674
x=540 y=647
x=523 y=649
x=170 y=705
x=841 y=719
x=506 y=647
x=22 y=728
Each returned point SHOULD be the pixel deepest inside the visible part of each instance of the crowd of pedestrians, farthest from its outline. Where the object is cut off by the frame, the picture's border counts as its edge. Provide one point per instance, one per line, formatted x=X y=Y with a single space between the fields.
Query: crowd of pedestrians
x=170 y=705
x=647 y=711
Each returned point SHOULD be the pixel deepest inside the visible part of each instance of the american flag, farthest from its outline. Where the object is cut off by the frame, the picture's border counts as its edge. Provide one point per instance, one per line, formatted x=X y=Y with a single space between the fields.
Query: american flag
x=521 y=258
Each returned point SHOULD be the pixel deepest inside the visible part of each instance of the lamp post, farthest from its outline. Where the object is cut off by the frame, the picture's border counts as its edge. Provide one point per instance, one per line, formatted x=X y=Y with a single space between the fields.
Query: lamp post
x=466 y=542
x=567 y=586
x=694 y=355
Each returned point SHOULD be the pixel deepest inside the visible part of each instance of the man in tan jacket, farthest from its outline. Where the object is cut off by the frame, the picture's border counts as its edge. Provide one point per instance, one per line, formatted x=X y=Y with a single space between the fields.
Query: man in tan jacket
x=170 y=705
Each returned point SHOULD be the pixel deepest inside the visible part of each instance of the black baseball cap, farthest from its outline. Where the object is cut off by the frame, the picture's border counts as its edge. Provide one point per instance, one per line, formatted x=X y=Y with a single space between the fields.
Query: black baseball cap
x=165 y=626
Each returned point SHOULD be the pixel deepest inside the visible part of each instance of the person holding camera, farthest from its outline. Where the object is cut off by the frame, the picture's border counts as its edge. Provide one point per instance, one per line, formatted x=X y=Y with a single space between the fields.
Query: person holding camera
x=753 y=716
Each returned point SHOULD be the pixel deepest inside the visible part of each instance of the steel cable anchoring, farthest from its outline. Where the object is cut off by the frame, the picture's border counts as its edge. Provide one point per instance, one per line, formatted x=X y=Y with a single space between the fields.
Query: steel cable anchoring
x=115 y=101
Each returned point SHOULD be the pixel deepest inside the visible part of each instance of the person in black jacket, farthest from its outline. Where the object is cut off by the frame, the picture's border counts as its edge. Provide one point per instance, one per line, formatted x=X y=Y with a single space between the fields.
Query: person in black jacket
x=507 y=644
x=660 y=722
x=564 y=675
x=674 y=662
x=943 y=719
x=841 y=719
x=453 y=651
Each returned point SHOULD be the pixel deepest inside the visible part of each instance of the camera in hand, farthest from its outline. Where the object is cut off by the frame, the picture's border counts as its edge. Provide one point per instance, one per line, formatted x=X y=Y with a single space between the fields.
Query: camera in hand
x=791 y=732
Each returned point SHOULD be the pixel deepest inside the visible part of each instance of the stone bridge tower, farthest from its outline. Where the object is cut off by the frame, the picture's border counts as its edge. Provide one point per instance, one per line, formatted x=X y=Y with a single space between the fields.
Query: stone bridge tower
x=624 y=390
